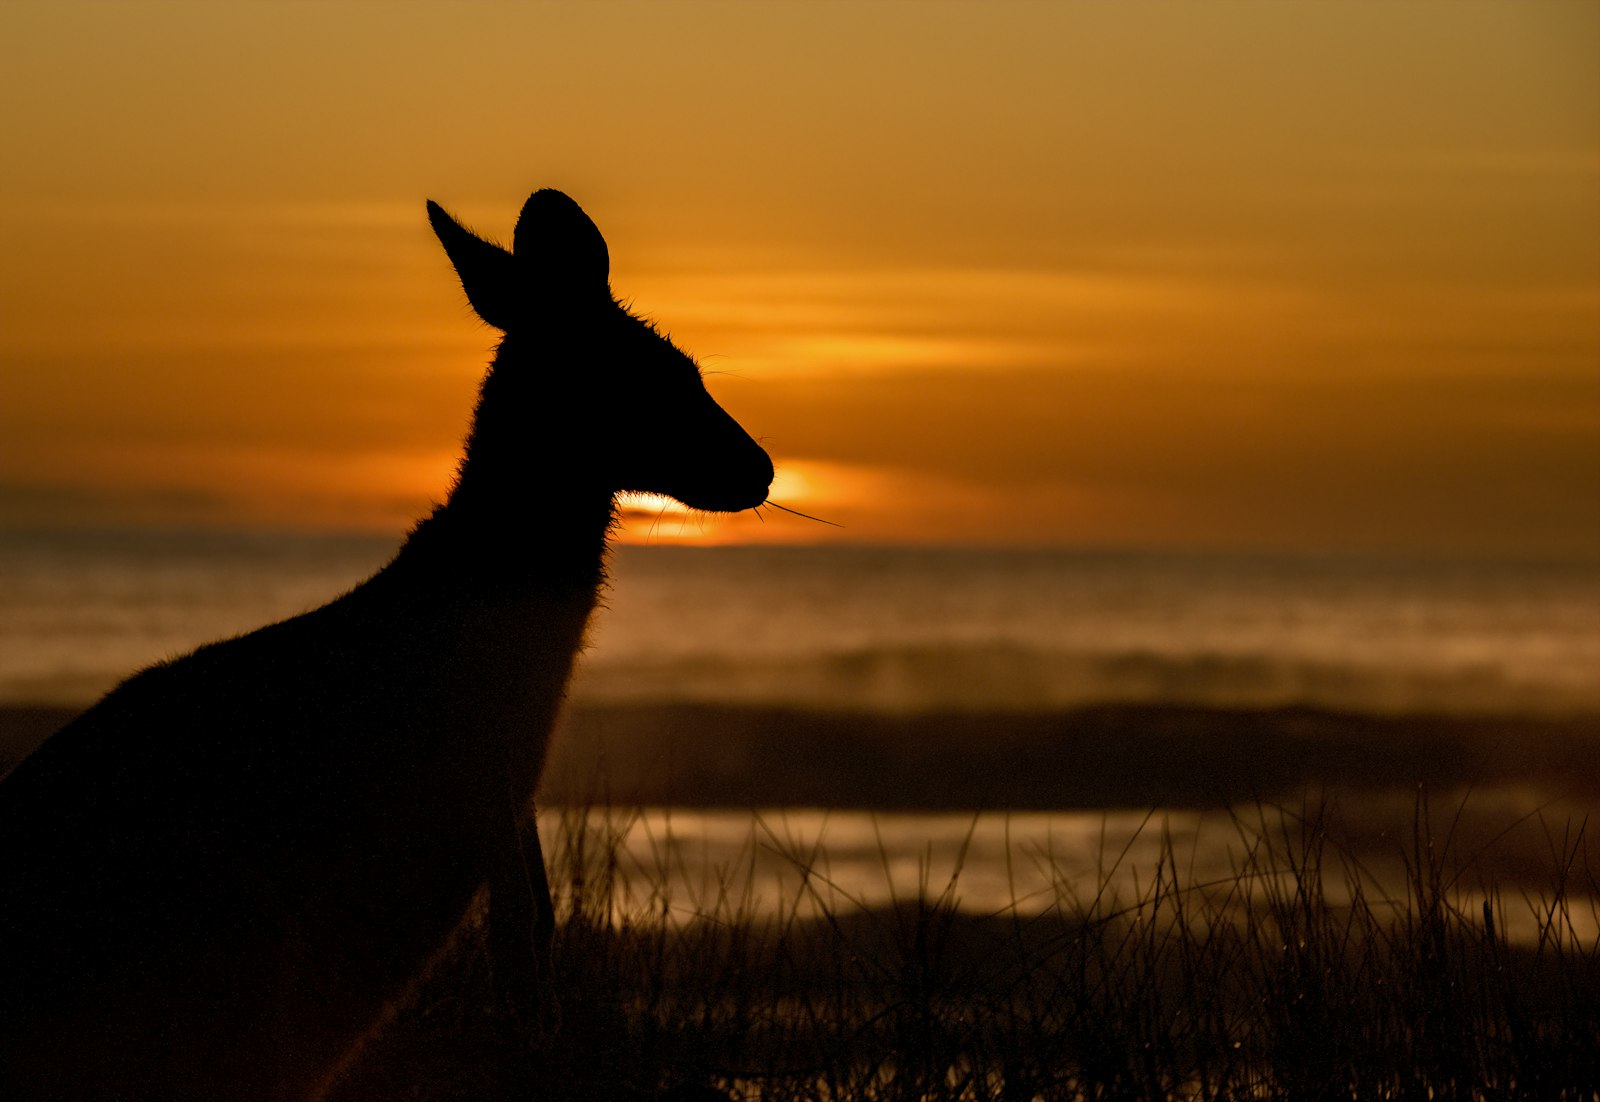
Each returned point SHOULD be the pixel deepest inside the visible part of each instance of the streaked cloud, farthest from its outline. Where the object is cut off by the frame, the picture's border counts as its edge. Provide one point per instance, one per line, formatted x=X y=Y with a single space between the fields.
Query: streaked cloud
x=1248 y=275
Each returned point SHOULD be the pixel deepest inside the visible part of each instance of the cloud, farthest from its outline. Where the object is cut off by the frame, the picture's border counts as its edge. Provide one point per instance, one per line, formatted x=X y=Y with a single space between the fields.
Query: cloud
x=1190 y=453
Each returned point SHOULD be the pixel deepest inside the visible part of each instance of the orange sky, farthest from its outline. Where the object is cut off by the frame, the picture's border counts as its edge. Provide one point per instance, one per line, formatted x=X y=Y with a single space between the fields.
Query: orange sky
x=1319 y=275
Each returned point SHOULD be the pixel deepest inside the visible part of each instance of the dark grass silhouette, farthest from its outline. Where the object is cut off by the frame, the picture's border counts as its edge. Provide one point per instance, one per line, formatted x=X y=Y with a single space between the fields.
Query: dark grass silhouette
x=1298 y=977
x=217 y=881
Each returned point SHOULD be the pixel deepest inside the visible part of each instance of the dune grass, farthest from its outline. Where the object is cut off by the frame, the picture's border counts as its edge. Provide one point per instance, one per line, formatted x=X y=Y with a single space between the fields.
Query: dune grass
x=1295 y=978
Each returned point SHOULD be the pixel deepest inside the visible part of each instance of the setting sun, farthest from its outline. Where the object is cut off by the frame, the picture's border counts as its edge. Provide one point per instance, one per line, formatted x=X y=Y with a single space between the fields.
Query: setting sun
x=1045 y=275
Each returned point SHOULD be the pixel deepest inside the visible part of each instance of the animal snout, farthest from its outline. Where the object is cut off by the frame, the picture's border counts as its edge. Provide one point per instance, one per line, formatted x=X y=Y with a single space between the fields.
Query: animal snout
x=727 y=488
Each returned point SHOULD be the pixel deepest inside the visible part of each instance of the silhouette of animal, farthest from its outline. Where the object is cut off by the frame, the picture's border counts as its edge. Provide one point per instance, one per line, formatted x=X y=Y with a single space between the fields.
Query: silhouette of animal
x=216 y=882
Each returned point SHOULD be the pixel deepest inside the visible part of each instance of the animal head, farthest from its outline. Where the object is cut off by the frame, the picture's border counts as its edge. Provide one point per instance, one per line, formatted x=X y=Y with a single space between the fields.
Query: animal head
x=575 y=362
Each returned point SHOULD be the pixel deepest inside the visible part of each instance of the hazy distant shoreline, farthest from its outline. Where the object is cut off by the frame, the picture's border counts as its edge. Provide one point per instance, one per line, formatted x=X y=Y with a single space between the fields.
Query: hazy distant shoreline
x=1128 y=756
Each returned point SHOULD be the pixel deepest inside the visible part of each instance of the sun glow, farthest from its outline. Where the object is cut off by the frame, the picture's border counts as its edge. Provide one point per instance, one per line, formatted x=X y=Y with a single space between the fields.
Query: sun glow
x=819 y=490
x=1259 y=296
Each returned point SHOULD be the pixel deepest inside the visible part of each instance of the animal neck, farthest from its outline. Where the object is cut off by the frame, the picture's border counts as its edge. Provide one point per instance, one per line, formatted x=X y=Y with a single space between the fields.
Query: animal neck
x=542 y=546
x=525 y=512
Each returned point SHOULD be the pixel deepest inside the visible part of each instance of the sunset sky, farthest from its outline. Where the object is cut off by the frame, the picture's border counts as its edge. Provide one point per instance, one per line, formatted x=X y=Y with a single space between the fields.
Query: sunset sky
x=1225 y=275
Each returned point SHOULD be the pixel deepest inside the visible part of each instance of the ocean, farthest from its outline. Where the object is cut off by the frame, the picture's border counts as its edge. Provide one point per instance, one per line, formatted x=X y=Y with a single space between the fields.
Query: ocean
x=916 y=706
x=886 y=630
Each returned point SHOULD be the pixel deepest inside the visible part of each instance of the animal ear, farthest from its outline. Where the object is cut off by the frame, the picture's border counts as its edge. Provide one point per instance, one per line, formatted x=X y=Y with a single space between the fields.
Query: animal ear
x=488 y=274
x=559 y=247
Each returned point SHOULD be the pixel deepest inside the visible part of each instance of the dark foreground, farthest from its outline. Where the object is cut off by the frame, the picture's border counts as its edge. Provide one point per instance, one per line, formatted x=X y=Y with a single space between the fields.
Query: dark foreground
x=1294 y=978
x=1257 y=988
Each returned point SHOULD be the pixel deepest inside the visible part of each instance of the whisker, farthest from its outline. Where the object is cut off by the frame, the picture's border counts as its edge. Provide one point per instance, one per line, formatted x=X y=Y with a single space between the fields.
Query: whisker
x=656 y=523
x=798 y=513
